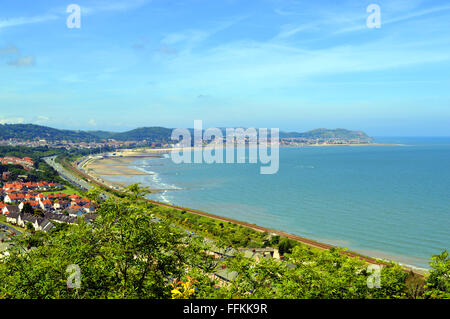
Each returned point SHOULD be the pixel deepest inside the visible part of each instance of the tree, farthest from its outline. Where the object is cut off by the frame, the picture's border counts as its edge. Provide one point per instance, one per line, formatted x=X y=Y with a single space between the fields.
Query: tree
x=27 y=209
x=123 y=254
x=285 y=247
x=94 y=194
x=29 y=226
x=135 y=191
x=438 y=281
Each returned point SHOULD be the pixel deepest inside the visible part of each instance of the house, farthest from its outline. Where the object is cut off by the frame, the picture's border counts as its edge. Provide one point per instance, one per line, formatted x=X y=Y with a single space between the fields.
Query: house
x=80 y=202
x=34 y=204
x=39 y=223
x=75 y=197
x=14 y=198
x=9 y=209
x=23 y=219
x=75 y=210
x=30 y=196
x=60 y=218
x=46 y=225
x=42 y=197
x=45 y=204
x=12 y=217
x=88 y=208
x=260 y=253
x=71 y=212
x=61 y=204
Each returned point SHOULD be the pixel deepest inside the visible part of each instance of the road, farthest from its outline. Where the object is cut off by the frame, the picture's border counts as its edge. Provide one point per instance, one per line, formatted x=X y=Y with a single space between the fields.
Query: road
x=11 y=228
x=72 y=179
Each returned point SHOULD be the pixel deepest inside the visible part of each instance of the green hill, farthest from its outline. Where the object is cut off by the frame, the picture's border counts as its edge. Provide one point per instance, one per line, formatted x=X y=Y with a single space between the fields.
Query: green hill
x=339 y=133
x=150 y=134
x=35 y=132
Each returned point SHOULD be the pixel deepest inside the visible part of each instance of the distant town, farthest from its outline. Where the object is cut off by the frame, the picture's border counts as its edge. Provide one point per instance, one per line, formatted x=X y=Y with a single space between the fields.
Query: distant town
x=30 y=135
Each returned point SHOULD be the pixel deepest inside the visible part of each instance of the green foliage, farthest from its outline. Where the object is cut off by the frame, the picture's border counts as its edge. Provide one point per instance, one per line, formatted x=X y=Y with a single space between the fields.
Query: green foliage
x=123 y=254
x=135 y=191
x=322 y=133
x=311 y=274
x=27 y=209
x=32 y=132
x=226 y=234
x=438 y=282
x=126 y=253
x=285 y=246
x=93 y=194
x=151 y=134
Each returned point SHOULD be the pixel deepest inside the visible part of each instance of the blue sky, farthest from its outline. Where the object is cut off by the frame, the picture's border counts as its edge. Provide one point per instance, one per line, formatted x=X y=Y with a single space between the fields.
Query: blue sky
x=295 y=65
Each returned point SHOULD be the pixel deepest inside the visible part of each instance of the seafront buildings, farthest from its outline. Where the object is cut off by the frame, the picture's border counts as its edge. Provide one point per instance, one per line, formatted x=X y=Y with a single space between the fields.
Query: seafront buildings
x=46 y=208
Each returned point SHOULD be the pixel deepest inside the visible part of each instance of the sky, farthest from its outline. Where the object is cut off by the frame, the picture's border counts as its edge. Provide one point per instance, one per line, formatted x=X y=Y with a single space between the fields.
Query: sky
x=289 y=64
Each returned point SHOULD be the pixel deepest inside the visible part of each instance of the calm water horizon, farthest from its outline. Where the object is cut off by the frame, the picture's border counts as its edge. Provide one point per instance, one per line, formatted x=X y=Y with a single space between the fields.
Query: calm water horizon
x=389 y=202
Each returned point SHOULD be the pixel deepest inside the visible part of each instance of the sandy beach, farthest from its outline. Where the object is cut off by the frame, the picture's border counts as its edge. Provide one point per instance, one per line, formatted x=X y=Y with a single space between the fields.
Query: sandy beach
x=101 y=168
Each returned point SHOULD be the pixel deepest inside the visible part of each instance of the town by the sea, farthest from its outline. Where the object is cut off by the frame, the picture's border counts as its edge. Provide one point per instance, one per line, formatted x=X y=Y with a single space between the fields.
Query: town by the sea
x=390 y=202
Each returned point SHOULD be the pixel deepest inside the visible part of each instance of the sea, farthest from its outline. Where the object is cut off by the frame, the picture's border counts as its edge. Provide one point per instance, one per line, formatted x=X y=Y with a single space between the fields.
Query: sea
x=390 y=202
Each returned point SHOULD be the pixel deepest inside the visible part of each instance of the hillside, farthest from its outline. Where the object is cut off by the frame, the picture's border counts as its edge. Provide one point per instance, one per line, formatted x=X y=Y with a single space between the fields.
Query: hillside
x=34 y=132
x=153 y=134
x=150 y=134
x=338 y=133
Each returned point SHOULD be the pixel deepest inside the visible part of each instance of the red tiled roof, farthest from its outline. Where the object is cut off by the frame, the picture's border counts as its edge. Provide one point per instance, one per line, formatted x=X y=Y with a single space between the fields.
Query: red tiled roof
x=32 y=203
x=16 y=196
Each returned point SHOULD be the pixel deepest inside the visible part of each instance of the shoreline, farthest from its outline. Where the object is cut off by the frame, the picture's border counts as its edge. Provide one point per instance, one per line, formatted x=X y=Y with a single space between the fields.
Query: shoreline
x=118 y=168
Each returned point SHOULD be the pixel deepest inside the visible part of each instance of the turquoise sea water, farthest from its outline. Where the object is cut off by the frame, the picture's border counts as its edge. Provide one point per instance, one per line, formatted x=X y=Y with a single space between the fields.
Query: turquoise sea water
x=390 y=202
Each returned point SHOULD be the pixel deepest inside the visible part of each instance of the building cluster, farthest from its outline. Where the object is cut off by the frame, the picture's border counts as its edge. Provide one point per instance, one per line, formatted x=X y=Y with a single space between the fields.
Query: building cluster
x=26 y=162
x=56 y=207
x=71 y=144
x=302 y=141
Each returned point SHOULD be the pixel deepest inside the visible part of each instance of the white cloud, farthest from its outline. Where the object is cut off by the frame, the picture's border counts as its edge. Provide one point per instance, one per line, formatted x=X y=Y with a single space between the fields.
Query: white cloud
x=11 y=120
x=9 y=50
x=41 y=120
x=279 y=66
x=191 y=38
x=289 y=30
x=23 y=61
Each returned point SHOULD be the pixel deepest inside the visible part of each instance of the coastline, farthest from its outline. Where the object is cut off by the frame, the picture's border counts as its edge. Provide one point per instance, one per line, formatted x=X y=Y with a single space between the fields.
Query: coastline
x=115 y=166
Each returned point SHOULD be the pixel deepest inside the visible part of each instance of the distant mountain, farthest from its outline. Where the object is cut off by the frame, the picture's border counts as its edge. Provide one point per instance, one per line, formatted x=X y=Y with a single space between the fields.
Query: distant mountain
x=33 y=132
x=339 y=133
x=150 y=134
x=153 y=134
